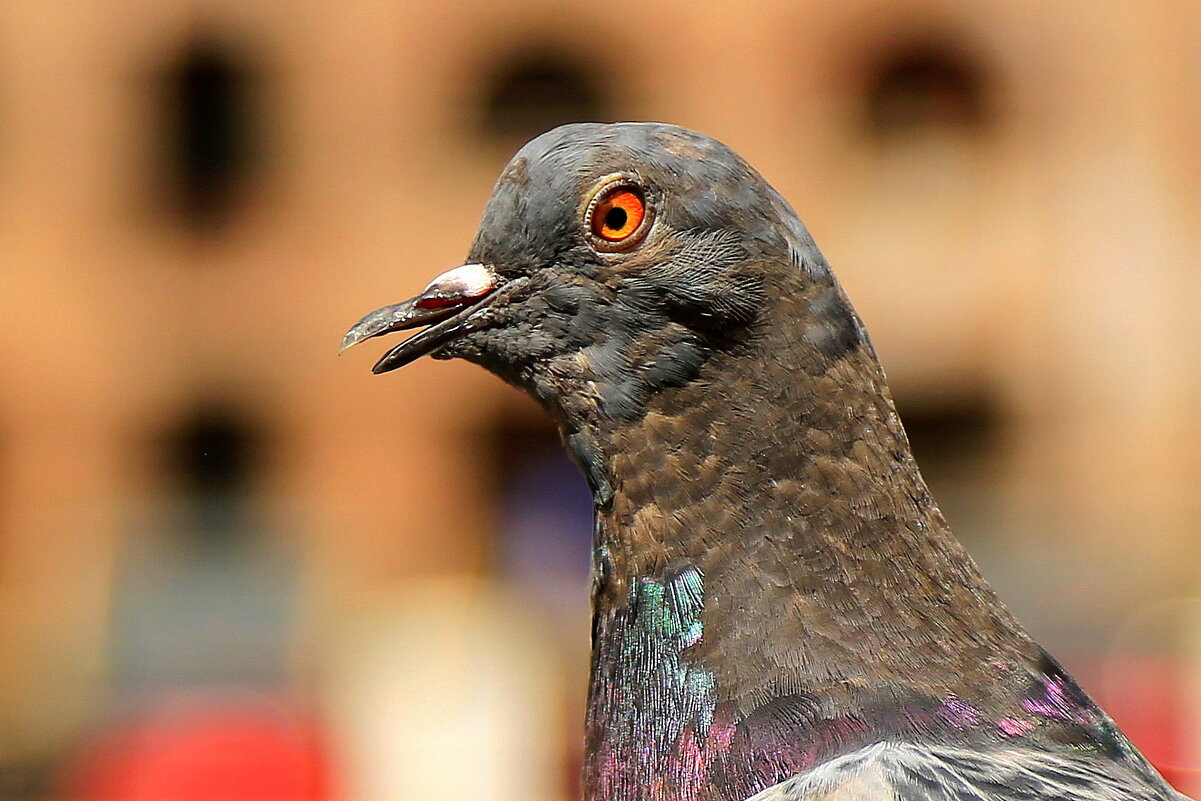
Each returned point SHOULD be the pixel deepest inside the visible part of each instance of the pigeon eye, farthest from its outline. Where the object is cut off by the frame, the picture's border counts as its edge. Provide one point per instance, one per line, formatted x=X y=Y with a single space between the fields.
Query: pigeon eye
x=615 y=215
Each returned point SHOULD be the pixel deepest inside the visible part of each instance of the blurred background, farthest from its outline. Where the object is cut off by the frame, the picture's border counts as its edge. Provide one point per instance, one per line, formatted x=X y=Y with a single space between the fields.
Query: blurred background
x=233 y=566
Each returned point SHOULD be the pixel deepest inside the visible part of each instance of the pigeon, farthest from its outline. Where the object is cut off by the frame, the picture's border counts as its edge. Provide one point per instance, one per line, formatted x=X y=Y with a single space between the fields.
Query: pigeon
x=780 y=610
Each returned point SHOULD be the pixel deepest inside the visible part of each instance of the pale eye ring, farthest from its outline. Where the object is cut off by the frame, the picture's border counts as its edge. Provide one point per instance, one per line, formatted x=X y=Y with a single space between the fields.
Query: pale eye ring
x=618 y=216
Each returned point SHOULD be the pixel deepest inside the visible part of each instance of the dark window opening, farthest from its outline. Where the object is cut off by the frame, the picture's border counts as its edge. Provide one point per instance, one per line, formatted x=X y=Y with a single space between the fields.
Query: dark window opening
x=957 y=444
x=545 y=523
x=533 y=93
x=211 y=457
x=925 y=86
x=945 y=432
x=207 y=599
x=209 y=130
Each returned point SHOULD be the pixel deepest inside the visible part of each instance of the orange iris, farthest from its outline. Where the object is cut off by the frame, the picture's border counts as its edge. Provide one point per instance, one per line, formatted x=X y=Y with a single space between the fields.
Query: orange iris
x=618 y=214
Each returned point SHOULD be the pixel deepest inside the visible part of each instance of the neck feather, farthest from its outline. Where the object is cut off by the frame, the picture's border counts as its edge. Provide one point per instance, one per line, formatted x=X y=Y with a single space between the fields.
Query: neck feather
x=774 y=583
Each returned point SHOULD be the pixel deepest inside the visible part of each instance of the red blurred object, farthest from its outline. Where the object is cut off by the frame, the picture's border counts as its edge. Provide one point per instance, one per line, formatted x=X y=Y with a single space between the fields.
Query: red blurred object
x=212 y=751
x=1148 y=697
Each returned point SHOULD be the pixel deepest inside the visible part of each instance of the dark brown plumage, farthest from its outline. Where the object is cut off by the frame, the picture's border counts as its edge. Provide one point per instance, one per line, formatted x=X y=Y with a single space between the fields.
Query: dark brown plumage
x=779 y=606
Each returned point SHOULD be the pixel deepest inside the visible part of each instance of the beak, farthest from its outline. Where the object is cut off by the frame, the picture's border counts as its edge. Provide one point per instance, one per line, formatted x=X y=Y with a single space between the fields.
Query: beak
x=446 y=306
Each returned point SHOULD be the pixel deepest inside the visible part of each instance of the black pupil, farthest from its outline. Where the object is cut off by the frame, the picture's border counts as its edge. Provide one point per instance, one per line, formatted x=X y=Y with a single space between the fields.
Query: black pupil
x=615 y=218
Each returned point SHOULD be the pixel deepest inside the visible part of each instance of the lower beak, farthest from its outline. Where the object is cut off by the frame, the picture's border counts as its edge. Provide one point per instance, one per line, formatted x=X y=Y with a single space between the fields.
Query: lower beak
x=446 y=306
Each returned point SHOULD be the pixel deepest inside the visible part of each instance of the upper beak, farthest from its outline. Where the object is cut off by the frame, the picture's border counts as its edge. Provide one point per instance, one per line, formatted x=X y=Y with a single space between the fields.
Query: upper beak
x=446 y=306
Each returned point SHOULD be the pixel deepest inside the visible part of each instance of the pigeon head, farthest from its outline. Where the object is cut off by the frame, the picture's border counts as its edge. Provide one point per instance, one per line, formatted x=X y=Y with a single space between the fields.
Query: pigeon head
x=612 y=261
